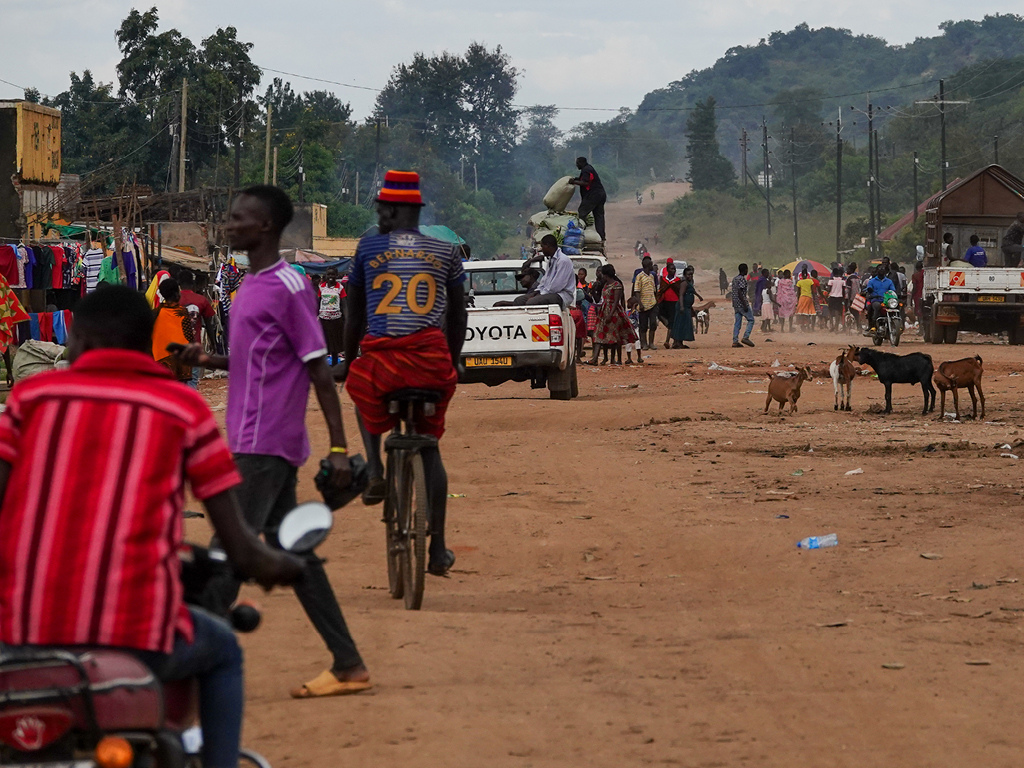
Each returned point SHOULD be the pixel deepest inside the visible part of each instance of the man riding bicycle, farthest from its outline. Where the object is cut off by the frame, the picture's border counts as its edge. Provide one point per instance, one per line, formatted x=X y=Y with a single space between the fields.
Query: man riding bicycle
x=405 y=291
x=874 y=293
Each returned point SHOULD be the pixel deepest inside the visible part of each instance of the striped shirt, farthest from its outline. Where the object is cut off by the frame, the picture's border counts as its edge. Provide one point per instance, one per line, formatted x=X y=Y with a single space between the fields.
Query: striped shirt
x=92 y=260
x=91 y=521
x=273 y=333
x=406 y=277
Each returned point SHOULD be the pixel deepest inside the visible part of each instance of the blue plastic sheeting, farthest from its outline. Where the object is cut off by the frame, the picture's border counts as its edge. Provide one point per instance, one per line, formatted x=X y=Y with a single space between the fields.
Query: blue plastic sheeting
x=316 y=268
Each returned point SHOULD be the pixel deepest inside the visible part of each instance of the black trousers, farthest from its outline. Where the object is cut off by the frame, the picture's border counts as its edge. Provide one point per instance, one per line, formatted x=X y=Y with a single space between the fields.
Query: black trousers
x=594 y=204
x=266 y=495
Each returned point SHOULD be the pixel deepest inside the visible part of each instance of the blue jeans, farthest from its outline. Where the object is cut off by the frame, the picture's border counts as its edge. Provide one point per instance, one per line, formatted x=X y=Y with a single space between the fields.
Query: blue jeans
x=215 y=658
x=194 y=381
x=740 y=317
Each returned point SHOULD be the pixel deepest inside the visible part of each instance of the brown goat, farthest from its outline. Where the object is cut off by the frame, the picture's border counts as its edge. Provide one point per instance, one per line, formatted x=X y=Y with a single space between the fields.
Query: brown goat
x=786 y=389
x=953 y=374
x=843 y=373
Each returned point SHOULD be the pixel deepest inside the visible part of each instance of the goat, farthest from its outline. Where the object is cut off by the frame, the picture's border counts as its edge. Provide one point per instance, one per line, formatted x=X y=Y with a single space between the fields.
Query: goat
x=843 y=373
x=953 y=374
x=915 y=368
x=702 y=317
x=786 y=389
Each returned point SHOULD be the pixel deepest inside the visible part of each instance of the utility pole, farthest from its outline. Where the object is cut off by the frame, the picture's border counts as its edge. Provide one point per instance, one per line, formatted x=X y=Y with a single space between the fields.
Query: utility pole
x=871 y=177
x=184 y=133
x=792 y=178
x=743 y=144
x=238 y=151
x=878 y=188
x=767 y=180
x=839 y=181
x=476 y=180
x=916 y=203
x=356 y=201
x=275 y=167
x=995 y=149
x=377 y=157
x=302 y=175
x=266 y=154
x=942 y=123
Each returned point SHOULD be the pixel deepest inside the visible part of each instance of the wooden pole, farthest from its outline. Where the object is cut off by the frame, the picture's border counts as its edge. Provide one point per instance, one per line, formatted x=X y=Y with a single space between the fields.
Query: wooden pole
x=184 y=133
x=266 y=154
x=275 y=167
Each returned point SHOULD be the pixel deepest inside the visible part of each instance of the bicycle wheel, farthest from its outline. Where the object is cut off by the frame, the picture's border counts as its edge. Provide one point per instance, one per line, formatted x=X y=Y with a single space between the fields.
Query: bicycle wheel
x=412 y=515
x=394 y=540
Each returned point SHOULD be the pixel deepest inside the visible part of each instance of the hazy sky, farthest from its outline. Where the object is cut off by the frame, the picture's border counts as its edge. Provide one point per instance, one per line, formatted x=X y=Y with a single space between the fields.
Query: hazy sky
x=606 y=53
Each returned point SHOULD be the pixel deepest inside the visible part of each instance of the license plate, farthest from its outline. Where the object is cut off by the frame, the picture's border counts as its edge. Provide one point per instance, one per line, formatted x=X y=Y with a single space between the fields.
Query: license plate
x=991 y=298
x=488 y=362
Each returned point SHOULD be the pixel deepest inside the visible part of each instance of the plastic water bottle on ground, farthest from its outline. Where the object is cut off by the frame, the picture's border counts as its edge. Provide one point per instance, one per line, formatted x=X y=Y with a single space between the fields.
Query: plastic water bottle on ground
x=819 y=542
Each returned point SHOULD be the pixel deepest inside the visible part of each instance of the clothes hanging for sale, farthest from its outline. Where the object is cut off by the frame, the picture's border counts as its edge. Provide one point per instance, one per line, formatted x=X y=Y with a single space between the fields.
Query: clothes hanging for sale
x=46 y=326
x=9 y=264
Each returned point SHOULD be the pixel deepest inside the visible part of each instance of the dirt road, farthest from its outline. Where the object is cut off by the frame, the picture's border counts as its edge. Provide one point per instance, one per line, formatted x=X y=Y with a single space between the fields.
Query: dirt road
x=628 y=590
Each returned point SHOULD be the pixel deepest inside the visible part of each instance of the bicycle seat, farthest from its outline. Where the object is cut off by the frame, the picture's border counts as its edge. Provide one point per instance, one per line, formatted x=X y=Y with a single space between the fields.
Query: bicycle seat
x=413 y=395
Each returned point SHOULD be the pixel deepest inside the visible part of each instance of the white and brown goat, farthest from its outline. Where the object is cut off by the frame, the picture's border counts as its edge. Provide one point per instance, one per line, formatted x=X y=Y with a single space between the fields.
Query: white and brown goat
x=843 y=373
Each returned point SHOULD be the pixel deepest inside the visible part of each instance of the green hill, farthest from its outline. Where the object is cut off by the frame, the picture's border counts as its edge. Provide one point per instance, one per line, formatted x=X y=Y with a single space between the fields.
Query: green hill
x=823 y=70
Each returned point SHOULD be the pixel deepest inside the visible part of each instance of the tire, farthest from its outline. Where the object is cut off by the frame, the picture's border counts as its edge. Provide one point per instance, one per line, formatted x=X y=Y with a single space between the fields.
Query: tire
x=894 y=339
x=560 y=383
x=877 y=341
x=949 y=333
x=1015 y=335
x=249 y=759
x=574 y=382
x=393 y=539
x=412 y=516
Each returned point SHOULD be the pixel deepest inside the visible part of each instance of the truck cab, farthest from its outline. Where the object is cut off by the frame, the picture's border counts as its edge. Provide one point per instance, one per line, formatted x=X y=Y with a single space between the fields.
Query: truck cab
x=958 y=296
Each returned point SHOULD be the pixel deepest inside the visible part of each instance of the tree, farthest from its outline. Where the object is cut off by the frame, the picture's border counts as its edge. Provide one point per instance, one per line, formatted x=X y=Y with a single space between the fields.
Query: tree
x=708 y=168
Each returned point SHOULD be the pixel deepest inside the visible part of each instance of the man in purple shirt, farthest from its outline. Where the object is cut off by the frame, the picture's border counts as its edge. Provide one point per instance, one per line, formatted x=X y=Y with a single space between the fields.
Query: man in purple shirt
x=277 y=349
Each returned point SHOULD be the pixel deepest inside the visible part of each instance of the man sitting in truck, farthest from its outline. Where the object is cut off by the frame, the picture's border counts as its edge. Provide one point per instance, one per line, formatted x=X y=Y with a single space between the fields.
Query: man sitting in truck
x=402 y=288
x=1012 y=241
x=558 y=285
x=976 y=255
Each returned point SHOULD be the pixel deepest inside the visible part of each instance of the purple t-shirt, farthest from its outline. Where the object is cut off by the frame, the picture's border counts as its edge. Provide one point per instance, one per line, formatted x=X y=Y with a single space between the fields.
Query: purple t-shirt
x=273 y=332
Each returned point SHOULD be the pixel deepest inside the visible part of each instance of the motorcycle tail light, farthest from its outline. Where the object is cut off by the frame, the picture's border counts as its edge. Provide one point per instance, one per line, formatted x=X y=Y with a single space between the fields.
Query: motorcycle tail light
x=28 y=729
x=114 y=752
x=555 y=326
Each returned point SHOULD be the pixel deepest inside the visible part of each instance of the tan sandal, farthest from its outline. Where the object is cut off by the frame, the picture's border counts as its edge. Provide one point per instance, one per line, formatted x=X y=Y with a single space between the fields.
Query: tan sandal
x=326 y=684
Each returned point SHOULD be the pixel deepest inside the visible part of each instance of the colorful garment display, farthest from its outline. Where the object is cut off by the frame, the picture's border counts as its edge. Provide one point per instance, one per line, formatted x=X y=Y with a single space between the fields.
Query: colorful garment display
x=11 y=313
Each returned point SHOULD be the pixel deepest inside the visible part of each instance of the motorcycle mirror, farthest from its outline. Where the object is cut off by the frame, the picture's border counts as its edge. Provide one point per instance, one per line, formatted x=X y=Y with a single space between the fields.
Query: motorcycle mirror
x=305 y=527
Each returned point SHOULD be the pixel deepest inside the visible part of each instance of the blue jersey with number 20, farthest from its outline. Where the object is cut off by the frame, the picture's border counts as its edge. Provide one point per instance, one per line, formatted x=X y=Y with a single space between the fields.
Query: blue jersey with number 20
x=406 y=277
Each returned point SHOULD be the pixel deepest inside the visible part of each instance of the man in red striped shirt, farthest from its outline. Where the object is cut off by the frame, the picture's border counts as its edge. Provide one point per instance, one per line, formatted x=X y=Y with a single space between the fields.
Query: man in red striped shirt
x=93 y=463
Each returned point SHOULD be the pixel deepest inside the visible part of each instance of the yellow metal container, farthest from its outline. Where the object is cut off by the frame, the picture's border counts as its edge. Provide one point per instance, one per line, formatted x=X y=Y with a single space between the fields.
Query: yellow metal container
x=38 y=148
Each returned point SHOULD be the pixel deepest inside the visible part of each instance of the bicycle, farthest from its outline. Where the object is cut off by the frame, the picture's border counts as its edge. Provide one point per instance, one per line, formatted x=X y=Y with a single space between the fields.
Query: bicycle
x=406 y=509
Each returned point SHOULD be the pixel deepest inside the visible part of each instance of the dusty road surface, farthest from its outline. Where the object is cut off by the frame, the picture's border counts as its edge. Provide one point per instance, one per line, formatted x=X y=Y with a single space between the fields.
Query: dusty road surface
x=628 y=590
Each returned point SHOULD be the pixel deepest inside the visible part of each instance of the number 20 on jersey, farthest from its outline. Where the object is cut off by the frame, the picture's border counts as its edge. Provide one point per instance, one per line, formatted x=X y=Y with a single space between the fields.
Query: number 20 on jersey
x=411 y=299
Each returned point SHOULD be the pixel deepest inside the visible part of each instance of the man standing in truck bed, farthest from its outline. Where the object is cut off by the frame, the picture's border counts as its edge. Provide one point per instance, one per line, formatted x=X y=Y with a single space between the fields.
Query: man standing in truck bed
x=1012 y=241
x=592 y=194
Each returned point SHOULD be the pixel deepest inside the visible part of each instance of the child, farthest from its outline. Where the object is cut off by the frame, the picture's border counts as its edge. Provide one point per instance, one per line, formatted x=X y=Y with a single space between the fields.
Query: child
x=633 y=313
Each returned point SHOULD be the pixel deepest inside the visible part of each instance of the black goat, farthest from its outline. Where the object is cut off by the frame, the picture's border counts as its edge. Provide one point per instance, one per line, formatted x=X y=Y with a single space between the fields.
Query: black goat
x=915 y=368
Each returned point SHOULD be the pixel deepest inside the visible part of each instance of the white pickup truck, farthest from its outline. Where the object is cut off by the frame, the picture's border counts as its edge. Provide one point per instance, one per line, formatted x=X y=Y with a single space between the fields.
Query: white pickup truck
x=983 y=299
x=526 y=343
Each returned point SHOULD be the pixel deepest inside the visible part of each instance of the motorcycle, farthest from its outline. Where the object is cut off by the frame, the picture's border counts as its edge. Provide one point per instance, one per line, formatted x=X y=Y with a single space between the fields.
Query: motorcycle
x=889 y=322
x=104 y=708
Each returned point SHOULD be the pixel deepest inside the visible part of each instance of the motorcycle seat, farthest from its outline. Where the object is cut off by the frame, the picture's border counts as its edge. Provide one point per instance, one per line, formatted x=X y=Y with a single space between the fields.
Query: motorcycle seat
x=124 y=693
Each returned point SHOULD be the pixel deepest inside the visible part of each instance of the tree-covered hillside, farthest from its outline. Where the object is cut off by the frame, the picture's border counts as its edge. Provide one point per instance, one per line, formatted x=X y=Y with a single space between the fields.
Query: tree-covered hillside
x=826 y=68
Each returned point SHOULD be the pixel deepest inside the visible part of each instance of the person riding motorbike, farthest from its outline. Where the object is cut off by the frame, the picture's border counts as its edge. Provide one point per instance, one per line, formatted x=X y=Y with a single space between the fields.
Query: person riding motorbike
x=93 y=464
x=874 y=293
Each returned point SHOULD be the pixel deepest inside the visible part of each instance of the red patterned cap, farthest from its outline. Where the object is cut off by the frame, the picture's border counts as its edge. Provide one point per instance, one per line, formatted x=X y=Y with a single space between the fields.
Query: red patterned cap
x=401 y=187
